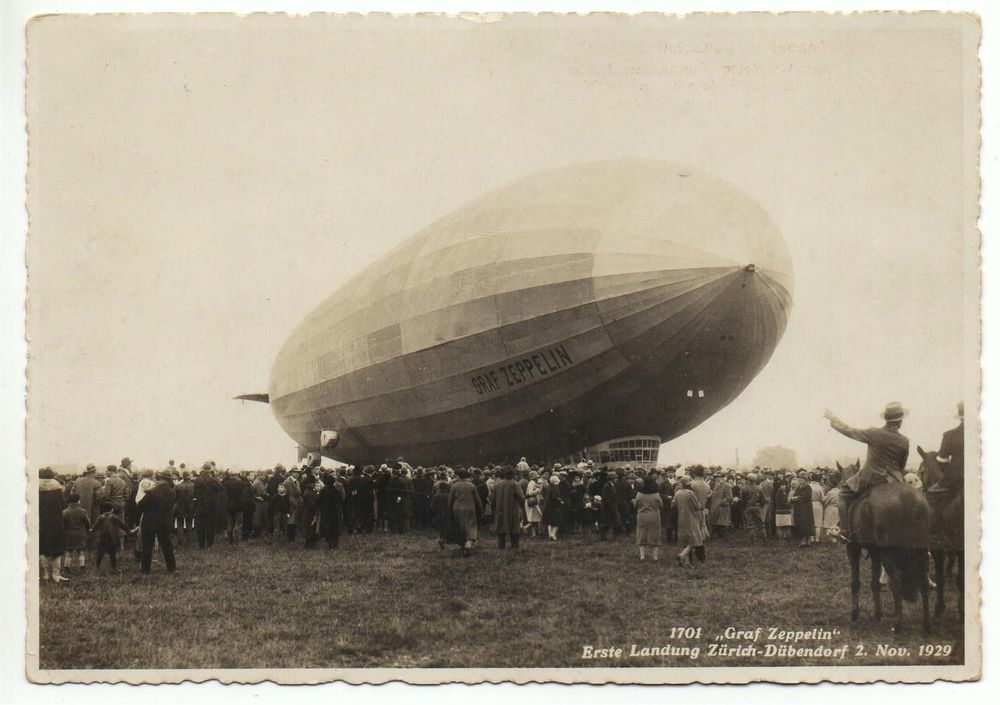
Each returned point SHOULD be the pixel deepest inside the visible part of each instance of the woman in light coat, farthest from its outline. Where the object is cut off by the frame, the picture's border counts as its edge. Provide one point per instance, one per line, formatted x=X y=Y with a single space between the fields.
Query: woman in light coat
x=533 y=504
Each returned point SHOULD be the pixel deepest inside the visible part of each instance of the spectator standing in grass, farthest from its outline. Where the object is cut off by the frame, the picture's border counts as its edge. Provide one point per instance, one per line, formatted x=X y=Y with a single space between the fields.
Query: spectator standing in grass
x=51 y=529
x=86 y=487
x=508 y=500
x=440 y=511
x=109 y=529
x=605 y=500
x=831 y=509
x=533 y=503
x=668 y=515
x=310 y=512
x=156 y=507
x=702 y=490
x=690 y=518
x=184 y=509
x=552 y=507
x=753 y=507
x=207 y=494
x=818 y=494
x=803 y=524
x=280 y=509
x=648 y=506
x=76 y=525
x=294 y=492
x=331 y=503
x=465 y=508
x=719 y=503
x=232 y=488
x=782 y=510
x=116 y=491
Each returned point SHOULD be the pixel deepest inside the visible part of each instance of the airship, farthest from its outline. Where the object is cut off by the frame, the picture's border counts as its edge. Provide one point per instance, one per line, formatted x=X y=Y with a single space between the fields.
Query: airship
x=594 y=310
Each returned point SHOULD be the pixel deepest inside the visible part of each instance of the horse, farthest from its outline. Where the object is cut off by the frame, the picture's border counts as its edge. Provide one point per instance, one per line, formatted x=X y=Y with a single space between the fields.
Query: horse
x=891 y=522
x=947 y=536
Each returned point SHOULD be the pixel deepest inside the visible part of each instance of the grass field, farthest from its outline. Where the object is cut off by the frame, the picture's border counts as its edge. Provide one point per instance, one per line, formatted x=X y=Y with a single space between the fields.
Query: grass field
x=397 y=601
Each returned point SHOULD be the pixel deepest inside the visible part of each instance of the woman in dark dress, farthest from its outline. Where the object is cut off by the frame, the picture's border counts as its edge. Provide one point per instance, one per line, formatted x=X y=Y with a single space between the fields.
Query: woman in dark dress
x=552 y=507
x=51 y=536
x=803 y=524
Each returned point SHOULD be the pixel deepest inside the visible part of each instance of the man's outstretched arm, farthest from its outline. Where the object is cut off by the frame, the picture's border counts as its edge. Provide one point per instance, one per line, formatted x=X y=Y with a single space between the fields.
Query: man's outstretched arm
x=836 y=424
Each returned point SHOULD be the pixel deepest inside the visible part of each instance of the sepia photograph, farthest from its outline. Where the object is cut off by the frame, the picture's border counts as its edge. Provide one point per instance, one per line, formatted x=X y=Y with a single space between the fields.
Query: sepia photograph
x=579 y=348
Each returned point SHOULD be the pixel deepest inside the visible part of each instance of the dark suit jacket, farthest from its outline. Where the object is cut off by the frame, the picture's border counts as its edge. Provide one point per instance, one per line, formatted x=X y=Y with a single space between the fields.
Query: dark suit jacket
x=157 y=508
x=953 y=448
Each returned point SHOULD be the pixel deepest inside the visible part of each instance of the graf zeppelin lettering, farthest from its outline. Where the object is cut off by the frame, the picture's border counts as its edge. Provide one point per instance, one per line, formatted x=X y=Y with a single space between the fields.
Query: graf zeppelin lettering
x=511 y=374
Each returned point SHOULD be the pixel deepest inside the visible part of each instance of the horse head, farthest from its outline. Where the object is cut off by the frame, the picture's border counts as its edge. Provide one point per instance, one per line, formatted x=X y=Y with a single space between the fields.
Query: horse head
x=930 y=471
x=849 y=470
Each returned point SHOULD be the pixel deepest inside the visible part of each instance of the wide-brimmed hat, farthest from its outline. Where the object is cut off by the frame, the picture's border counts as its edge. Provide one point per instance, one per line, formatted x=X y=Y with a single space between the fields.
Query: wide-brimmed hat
x=91 y=467
x=894 y=411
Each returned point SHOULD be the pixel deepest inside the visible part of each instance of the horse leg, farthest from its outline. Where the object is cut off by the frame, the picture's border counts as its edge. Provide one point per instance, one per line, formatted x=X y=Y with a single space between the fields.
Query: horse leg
x=854 y=558
x=939 y=577
x=876 y=559
x=924 y=591
x=960 y=583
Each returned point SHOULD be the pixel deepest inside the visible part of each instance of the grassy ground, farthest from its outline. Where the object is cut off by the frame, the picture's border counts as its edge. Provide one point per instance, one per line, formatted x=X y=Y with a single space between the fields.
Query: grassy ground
x=396 y=601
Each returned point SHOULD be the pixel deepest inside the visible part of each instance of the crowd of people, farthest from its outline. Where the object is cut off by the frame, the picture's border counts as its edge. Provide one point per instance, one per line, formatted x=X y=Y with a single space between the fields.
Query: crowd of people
x=105 y=510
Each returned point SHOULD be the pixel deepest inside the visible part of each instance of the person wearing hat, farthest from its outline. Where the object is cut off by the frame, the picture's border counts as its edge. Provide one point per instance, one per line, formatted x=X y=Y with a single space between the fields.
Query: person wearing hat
x=51 y=529
x=207 y=496
x=953 y=451
x=184 y=507
x=719 y=502
x=533 y=503
x=690 y=518
x=623 y=497
x=507 y=499
x=86 y=486
x=156 y=510
x=888 y=450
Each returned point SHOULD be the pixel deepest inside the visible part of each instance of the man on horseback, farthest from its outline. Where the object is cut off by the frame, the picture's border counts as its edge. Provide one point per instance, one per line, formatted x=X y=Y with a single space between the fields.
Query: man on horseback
x=888 y=450
x=953 y=451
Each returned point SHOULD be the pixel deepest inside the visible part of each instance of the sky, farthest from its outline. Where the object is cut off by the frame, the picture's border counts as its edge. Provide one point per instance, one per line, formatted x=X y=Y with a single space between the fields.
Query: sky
x=198 y=184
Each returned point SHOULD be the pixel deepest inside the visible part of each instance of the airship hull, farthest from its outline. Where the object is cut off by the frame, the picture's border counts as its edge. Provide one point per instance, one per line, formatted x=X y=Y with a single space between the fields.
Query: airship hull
x=570 y=308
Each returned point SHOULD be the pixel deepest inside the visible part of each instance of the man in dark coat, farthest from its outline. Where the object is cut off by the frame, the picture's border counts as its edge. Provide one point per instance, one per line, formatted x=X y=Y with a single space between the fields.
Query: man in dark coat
x=352 y=505
x=623 y=495
x=607 y=506
x=310 y=511
x=184 y=507
x=381 y=489
x=953 y=451
x=331 y=504
x=207 y=495
x=422 y=486
x=233 y=487
x=508 y=500
x=156 y=509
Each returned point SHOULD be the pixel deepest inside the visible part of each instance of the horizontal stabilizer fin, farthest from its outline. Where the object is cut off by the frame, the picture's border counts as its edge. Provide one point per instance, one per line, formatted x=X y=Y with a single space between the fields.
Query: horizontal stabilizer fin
x=254 y=397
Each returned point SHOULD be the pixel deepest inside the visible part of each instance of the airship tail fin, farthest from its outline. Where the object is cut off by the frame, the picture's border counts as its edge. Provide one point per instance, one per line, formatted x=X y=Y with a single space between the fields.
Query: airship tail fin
x=254 y=397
